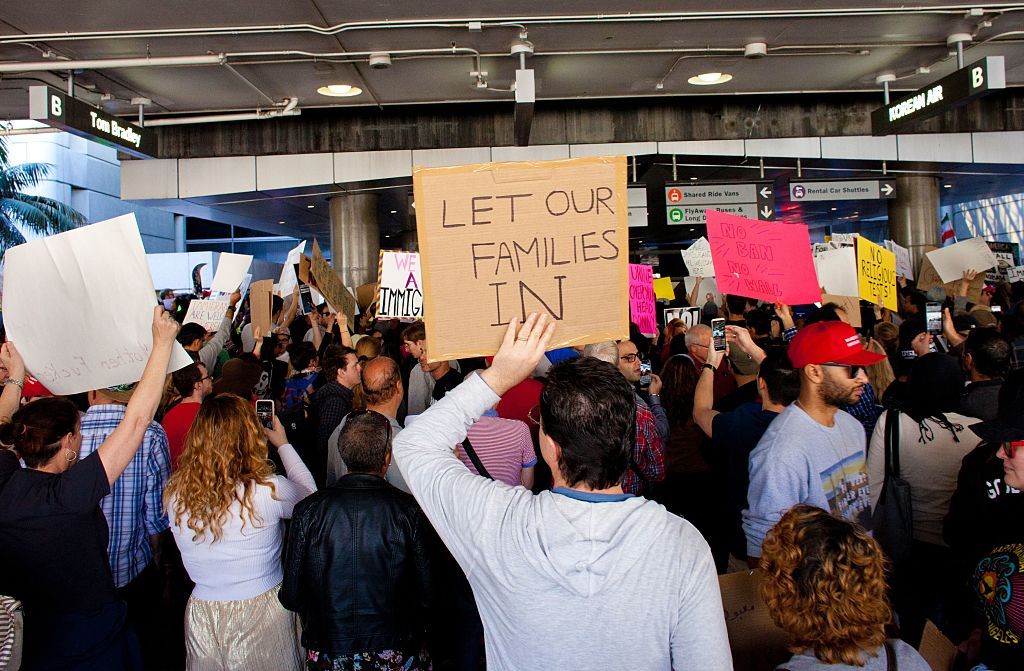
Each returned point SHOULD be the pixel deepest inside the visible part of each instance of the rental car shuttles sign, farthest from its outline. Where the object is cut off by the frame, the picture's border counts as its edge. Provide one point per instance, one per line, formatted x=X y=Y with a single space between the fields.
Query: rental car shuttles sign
x=502 y=240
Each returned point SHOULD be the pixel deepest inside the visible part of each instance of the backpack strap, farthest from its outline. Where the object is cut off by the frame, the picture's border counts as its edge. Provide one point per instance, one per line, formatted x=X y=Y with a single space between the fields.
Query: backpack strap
x=890 y=658
x=471 y=453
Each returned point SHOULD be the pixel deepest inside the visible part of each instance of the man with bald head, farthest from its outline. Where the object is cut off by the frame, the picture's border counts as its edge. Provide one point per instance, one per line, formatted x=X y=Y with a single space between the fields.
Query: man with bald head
x=382 y=389
x=698 y=340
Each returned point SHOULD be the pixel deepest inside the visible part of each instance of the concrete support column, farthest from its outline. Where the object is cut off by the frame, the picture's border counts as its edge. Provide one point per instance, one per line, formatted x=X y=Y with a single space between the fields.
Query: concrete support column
x=355 y=238
x=914 y=214
x=179 y=233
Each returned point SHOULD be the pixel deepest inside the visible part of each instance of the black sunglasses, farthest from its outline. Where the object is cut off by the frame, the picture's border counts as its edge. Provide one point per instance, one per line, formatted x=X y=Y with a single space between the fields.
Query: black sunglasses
x=853 y=371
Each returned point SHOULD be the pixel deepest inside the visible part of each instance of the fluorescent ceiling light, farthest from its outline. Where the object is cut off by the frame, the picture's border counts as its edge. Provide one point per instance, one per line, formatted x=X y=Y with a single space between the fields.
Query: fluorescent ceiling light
x=339 y=90
x=710 y=78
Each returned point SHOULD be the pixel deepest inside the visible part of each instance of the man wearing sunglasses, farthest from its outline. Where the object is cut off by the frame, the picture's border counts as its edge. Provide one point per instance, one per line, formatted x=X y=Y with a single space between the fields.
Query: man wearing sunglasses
x=813 y=452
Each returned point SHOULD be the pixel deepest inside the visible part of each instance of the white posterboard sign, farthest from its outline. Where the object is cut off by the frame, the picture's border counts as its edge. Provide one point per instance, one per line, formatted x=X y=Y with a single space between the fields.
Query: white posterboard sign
x=208 y=314
x=698 y=259
x=288 y=280
x=400 y=294
x=951 y=262
x=1015 y=274
x=844 y=239
x=79 y=307
x=231 y=271
x=904 y=265
x=707 y=285
x=837 y=271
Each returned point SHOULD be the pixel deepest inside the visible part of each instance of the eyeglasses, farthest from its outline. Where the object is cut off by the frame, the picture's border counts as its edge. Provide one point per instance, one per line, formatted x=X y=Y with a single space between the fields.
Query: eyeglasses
x=629 y=358
x=379 y=418
x=1011 y=447
x=208 y=377
x=853 y=371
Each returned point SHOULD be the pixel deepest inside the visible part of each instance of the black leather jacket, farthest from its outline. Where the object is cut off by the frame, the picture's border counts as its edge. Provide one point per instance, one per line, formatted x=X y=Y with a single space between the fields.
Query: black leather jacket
x=357 y=568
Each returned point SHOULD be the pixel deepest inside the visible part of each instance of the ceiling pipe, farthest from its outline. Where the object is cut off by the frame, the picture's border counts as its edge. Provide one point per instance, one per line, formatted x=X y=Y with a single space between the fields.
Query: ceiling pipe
x=258 y=115
x=107 y=63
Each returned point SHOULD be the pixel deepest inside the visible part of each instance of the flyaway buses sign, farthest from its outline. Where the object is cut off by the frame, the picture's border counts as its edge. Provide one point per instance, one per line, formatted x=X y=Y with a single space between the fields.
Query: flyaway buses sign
x=55 y=108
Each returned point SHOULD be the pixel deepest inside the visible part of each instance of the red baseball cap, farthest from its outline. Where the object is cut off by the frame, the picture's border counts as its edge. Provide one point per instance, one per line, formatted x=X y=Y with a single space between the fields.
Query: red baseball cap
x=829 y=342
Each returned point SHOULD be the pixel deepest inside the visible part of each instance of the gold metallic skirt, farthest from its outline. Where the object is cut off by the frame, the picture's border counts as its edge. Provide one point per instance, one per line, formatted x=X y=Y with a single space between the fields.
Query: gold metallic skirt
x=255 y=634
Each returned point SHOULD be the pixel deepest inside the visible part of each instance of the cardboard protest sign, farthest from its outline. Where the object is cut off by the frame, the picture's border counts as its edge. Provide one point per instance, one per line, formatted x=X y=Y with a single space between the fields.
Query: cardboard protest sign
x=401 y=286
x=641 y=298
x=330 y=285
x=1015 y=274
x=208 y=314
x=231 y=270
x=850 y=306
x=936 y=649
x=698 y=258
x=928 y=278
x=499 y=240
x=904 y=264
x=663 y=288
x=951 y=262
x=95 y=282
x=762 y=259
x=260 y=305
x=876 y=273
x=756 y=642
x=837 y=271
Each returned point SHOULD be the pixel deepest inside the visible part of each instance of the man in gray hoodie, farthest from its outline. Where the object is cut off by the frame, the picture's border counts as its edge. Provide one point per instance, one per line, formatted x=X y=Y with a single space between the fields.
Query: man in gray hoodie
x=582 y=576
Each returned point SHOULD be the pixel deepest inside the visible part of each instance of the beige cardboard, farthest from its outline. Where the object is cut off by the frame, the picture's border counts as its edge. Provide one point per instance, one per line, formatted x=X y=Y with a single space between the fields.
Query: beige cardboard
x=304 y=263
x=365 y=293
x=330 y=285
x=757 y=644
x=936 y=649
x=547 y=252
x=850 y=306
x=260 y=296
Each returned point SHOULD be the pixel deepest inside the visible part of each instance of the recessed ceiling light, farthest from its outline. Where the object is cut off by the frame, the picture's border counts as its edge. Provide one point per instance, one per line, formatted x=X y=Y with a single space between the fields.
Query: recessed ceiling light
x=394 y=211
x=710 y=78
x=834 y=209
x=281 y=222
x=947 y=186
x=311 y=206
x=693 y=179
x=339 y=90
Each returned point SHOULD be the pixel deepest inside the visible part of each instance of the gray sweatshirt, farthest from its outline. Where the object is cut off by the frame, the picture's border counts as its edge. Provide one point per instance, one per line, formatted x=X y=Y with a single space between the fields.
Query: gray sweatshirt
x=907 y=659
x=799 y=460
x=565 y=580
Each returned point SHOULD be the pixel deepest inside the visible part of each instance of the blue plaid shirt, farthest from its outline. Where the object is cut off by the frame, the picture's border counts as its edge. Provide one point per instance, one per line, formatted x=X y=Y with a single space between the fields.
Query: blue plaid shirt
x=134 y=507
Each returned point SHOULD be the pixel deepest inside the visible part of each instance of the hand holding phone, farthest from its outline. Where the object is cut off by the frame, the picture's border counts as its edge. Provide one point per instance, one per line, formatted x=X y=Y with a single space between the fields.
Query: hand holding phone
x=645 y=374
x=933 y=318
x=265 y=413
x=718 y=334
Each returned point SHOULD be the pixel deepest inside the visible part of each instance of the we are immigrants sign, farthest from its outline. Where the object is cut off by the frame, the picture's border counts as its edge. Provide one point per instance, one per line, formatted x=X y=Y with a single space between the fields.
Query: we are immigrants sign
x=55 y=108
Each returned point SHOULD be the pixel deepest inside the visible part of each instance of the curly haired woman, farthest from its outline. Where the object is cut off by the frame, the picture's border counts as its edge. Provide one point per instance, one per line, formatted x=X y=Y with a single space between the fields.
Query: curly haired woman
x=226 y=504
x=825 y=586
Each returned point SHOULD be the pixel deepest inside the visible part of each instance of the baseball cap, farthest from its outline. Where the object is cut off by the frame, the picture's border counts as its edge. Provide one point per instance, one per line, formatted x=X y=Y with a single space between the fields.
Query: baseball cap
x=120 y=393
x=829 y=342
x=988 y=289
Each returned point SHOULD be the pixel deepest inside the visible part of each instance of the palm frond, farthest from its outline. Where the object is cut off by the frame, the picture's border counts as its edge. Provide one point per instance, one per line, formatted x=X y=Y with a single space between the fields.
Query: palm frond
x=34 y=217
x=10 y=236
x=69 y=216
x=17 y=178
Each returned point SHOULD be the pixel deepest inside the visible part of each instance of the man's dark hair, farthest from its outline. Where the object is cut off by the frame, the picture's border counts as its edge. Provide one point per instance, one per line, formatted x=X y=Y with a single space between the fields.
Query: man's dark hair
x=185 y=379
x=919 y=300
x=414 y=332
x=759 y=321
x=588 y=408
x=301 y=354
x=335 y=359
x=365 y=441
x=828 y=312
x=737 y=305
x=381 y=378
x=990 y=351
x=190 y=333
x=781 y=380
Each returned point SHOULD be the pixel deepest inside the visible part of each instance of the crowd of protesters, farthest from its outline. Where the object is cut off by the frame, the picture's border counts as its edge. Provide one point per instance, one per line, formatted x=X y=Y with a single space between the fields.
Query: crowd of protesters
x=544 y=508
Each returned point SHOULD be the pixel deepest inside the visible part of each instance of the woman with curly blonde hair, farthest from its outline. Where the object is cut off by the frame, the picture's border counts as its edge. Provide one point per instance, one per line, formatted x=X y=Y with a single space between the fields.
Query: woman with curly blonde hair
x=225 y=505
x=825 y=586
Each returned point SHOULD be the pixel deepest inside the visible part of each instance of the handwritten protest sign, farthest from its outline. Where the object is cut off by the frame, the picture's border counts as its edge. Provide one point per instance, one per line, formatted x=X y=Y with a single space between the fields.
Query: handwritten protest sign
x=762 y=259
x=260 y=307
x=500 y=240
x=231 y=270
x=663 y=288
x=904 y=264
x=876 y=273
x=844 y=239
x=208 y=314
x=950 y=262
x=79 y=307
x=641 y=298
x=837 y=271
x=698 y=258
x=401 y=286
x=689 y=316
x=330 y=285
x=1015 y=274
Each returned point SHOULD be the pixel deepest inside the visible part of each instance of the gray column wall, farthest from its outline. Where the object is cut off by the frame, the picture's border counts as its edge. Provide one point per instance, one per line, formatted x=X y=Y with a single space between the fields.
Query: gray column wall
x=355 y=238
x=914 y=214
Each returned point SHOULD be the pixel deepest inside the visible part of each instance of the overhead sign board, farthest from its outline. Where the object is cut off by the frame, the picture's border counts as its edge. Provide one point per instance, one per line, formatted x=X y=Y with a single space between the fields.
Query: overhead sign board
x=962 y=86
x=686 y=203
x=858 y=189
x=55 y=108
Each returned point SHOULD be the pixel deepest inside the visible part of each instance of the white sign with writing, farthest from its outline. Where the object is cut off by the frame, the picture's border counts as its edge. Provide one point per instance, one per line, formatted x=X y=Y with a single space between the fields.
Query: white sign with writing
x=904 y=266
x=79 y=307
x=698 y=259
x=401 y=286
x=208 y=314
x=1015 y=274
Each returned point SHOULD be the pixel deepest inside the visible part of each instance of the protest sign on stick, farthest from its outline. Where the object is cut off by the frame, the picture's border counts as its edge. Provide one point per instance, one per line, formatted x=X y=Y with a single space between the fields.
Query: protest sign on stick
x=209 y=314
x=401 y=286
x=260 y=305
x=79 y=307
x=876 y=274
x=330 y=285
x=762 y=259
x=501 y=240
x=231 y=270
x=641 y=298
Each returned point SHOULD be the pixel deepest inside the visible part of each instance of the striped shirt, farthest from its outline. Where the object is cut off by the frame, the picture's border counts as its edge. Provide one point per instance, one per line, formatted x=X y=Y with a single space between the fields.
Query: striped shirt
x=133 y=508
x=503 y=446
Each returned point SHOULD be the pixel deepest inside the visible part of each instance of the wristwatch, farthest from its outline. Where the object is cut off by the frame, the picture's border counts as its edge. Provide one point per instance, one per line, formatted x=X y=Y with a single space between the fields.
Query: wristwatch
x=709 y=367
